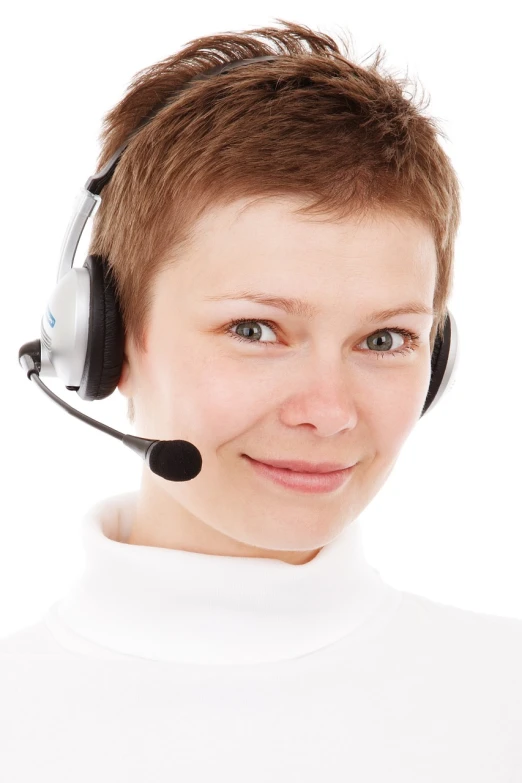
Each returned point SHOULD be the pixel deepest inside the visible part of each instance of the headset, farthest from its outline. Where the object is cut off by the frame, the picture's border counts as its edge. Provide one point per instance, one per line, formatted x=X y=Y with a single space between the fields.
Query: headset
x=82 y=333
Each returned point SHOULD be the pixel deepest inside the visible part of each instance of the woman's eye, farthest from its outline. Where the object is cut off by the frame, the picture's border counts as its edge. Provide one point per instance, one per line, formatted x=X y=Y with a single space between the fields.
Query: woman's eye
x=382 y=341
x=249 y=329
x=381 y=344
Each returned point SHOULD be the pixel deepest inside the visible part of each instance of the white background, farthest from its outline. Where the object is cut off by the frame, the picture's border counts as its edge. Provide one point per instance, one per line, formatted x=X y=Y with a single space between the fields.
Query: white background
x=447 y=524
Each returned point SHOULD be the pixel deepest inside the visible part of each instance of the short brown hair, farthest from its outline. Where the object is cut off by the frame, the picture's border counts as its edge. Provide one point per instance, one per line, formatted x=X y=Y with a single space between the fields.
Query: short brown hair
x=312 y=123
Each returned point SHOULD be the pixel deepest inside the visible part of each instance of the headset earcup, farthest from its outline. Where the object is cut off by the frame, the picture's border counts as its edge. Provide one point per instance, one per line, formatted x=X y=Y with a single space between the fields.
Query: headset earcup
x=440 y=368
x=106 y=340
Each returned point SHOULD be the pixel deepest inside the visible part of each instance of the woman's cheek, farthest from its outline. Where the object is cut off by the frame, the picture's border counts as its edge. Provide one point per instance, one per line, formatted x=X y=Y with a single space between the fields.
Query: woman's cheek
x=229 y=390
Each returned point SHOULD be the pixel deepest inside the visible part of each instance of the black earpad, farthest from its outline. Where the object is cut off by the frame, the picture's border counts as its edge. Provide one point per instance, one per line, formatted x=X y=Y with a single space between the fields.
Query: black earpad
x=439 y=363
x=106 y=340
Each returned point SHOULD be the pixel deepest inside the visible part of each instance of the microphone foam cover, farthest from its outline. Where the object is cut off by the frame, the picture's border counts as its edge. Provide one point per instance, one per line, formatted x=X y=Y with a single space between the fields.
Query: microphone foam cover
x=175 y=460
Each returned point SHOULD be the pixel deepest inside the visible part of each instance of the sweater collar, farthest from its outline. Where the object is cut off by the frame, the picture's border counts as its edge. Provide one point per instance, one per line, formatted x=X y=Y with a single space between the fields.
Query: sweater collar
x=171 y=605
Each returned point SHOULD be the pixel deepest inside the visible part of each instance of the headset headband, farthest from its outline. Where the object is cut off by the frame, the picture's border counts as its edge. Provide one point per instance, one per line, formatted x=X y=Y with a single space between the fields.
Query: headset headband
x=89 y=196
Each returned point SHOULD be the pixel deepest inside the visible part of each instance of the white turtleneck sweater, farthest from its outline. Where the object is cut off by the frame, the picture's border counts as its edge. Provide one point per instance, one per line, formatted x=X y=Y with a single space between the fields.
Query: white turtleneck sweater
x=163 y=665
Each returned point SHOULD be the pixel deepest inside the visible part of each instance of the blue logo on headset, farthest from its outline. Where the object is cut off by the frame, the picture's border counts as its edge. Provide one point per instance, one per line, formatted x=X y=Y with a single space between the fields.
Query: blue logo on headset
x=50 y=318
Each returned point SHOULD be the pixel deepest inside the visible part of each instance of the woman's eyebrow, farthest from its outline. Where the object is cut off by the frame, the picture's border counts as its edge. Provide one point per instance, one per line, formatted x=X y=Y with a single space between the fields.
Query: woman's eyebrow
x=303 y=309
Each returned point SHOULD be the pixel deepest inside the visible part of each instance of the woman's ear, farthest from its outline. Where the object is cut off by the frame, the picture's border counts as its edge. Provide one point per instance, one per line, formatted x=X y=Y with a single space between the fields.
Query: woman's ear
x=124 y=382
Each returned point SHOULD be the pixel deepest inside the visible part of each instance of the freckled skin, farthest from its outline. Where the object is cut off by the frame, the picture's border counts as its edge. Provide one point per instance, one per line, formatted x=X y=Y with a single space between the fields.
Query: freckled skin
x=317 y=393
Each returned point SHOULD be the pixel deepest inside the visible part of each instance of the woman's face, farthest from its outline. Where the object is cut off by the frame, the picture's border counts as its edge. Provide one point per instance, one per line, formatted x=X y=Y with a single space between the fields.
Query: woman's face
x=312 y=387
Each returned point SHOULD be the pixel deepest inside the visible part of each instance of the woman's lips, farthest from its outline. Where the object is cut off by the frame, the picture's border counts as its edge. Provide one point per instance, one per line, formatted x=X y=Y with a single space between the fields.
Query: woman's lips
x=302 y=482
x=300 y=466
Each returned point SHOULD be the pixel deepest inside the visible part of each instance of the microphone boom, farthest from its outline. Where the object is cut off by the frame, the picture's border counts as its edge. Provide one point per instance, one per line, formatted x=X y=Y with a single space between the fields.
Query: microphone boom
x=174 y=460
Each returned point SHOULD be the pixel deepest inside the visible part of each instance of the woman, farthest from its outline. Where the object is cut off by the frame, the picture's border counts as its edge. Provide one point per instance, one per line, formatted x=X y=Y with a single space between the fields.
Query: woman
x=279 y=241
